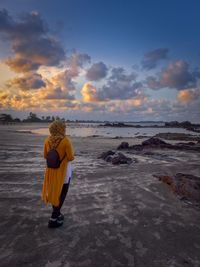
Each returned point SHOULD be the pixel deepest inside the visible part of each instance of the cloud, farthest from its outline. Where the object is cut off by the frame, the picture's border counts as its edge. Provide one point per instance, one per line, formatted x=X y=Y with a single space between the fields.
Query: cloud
x=127 y=106
x=41 y=100
x=186 y=96
x=176 y=75
x=57 y=89
x=65 y=80
x=119 y=90
x=32 y=44
x=97 y=71
x=91 y=107
x=53 y=86
x=58 y=93
x=29 y=24
x=152 y=58
x=120 y=85
x=27 y=82
x=62 y=85
x=119 y=74
x=78 y=60
x=3 y=95
x=89 y=93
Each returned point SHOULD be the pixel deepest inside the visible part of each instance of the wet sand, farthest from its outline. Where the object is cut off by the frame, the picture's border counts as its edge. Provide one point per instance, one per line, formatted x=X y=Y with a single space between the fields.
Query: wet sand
x=114 y=215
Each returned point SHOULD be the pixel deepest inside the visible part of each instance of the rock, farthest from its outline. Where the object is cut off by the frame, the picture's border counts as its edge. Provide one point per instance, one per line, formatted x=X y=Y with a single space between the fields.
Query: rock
x=123 y=145
x=191 y=143
x=115 y=158
x=187 y=186
x=104 y=155
x=177 y=136
x=108 y=158
x=120 y=158
x=137 y=147
x=153 y=142
x=193 y=129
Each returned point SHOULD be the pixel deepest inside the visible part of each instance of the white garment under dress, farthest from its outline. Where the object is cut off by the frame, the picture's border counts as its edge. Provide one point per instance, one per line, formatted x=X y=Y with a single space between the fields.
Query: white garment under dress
x=68 y=175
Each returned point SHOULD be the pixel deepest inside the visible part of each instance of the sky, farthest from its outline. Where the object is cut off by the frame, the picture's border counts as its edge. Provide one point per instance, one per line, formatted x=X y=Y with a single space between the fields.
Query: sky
x=130 y=60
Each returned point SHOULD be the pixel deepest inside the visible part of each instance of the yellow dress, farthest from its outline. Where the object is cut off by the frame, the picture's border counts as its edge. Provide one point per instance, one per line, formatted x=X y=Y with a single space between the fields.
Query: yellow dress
x=54 y=178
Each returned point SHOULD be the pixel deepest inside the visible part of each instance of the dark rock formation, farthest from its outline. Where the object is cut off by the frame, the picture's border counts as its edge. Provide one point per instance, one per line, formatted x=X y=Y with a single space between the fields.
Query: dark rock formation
x=123 y=145
x=115 y=158
x=120 y=158
x=177 y=136
x=194 y=129
x=104 y=155
x=187 y=186
x=154 y=142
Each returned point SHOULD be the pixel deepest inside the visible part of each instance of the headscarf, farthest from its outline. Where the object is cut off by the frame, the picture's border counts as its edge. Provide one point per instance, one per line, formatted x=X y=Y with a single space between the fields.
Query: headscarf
x=57 y=133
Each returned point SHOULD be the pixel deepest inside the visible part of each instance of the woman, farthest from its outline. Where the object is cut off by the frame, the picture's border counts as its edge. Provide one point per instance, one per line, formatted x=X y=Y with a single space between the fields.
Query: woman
x=57 y=179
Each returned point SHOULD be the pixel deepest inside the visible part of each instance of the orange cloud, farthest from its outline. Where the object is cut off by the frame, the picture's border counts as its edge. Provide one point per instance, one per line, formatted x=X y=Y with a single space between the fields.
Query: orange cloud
x=188 y=95
x=35 y=101
x=6 y=73
x=3 y=95
x=89 y=93
x=135 y=102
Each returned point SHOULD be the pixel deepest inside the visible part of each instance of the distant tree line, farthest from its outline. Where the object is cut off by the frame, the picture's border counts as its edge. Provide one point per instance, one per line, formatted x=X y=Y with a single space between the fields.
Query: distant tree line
x=32 y=117
x=184 y=124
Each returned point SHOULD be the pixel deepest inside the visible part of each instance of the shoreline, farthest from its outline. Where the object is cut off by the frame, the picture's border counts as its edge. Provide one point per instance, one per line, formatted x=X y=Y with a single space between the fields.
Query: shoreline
x=35 y=128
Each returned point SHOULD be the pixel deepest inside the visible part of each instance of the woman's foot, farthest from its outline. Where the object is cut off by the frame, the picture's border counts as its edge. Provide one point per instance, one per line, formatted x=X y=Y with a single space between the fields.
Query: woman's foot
x=54 y=223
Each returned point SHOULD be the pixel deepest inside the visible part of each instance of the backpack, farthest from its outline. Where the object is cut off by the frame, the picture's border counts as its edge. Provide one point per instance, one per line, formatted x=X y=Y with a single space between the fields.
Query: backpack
x=53 y=159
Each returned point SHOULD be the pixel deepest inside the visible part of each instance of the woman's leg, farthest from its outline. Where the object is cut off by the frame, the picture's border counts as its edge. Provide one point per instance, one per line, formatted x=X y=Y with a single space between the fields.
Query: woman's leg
x=56 y=209
x=63 y=194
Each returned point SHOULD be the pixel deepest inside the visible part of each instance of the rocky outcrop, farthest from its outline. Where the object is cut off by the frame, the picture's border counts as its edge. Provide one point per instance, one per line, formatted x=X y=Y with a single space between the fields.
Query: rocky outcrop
x=120 y=158
x=104 y=155
x=177 y=136
x=123 y=145
x=194 y=129
x=186 y=186
x=115 y=158
x=154 y=142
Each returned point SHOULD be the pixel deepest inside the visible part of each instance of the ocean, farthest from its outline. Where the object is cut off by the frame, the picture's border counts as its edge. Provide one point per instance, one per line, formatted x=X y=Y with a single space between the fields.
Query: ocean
x=94 y=129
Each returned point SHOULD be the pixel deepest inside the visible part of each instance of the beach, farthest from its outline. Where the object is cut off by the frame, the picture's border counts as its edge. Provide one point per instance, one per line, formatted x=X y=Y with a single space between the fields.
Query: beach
x=115 y=215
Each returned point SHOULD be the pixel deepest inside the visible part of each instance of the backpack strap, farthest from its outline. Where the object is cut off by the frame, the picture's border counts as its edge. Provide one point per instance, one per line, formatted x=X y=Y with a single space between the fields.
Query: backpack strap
x=57 y=144
x=56 y=147
x=62 y=158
